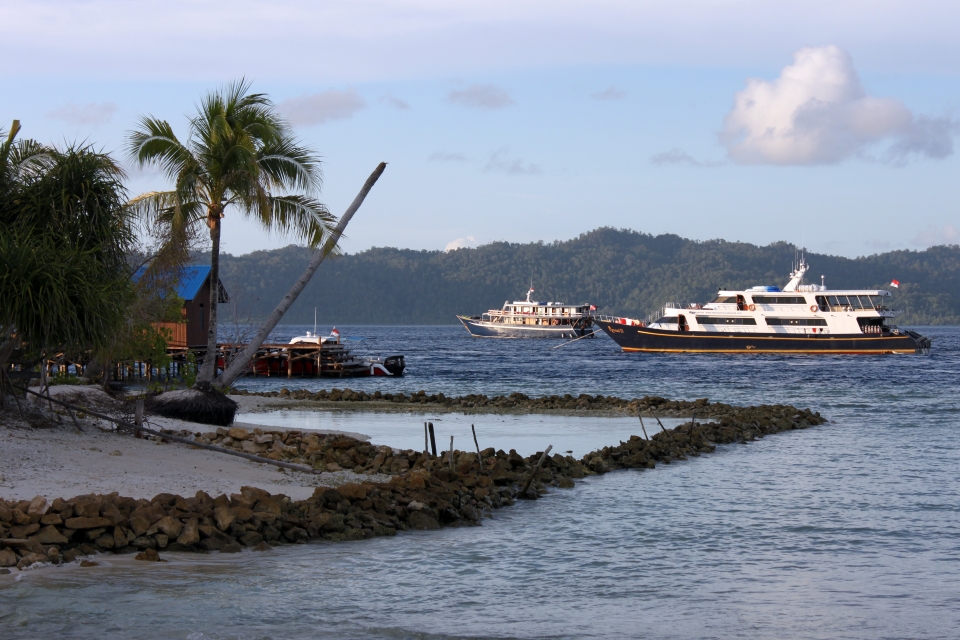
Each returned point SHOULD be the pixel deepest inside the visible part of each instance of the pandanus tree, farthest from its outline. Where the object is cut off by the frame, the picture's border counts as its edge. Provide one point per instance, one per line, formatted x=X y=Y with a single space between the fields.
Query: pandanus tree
x=64 y=234
x=239 y=156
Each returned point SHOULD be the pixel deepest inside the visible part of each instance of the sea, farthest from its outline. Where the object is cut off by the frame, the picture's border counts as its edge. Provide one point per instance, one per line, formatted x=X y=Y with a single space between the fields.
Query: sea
x=846 y=530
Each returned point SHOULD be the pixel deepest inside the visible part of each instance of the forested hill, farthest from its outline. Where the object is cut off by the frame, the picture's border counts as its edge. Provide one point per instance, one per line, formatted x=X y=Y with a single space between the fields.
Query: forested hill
x=623 y=272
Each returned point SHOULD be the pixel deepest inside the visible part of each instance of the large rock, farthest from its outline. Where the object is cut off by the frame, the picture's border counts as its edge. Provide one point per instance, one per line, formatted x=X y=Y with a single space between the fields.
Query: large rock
x=22 y=545
x=170 y=526
x=251 y=539
x=249 y=446
x=353 y=491
x=32 y=559
x=50 y=535
x=38 y=506
x=223 y=517
x=205 y=405
x=22 y=531
x=86 y=509
x=421 y=520
x=190 y=535
x=8 y=558
x=51 y=518
x=238 y=433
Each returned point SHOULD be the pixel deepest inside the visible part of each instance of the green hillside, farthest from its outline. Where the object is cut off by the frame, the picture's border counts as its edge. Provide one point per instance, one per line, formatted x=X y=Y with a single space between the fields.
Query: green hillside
x=621 y=271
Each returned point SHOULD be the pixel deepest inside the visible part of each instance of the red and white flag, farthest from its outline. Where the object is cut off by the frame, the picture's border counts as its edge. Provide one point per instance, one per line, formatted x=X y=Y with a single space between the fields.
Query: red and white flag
x=895 y=283
x=593 y=308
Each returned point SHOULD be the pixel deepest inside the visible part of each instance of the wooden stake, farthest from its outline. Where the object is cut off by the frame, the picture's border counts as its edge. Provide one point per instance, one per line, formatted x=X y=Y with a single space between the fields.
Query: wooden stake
x=536 y=470
x=658 y=420
x=426 y=446
x=643 y=427
x=451 y=452
x=138 y=418
x=433 y=440
x=479 y=457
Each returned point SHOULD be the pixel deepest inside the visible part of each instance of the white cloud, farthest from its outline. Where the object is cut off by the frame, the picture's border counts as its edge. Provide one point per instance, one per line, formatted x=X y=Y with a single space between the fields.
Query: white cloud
x=817 y=112
x=501 y=162
x=445 y=156
x=486 y=96
x=92 y=113
x=679 y=156
x=395 y=102
x=322 y=107
x=461 y=243
x=610 y=93
x=934 y=235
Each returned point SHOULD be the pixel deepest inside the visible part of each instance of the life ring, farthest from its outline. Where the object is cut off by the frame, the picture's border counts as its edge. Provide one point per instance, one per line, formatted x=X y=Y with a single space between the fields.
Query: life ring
x=752 y=307
x=813 y=308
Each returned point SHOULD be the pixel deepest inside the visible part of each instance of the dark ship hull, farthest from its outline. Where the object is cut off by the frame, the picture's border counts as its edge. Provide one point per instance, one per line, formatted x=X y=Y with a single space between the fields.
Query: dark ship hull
x=646 y=339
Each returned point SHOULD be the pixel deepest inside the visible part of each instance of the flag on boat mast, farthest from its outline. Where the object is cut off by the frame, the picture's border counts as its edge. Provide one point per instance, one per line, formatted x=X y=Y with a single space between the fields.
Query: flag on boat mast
x=895 y=283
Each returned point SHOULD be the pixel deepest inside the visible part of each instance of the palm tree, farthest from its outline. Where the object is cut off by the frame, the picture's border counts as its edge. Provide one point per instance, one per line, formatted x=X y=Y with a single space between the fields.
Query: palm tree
x=239 y=153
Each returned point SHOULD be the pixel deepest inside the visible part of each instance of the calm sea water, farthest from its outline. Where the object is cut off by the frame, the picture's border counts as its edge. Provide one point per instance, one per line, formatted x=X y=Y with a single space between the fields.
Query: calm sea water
x=848 y=530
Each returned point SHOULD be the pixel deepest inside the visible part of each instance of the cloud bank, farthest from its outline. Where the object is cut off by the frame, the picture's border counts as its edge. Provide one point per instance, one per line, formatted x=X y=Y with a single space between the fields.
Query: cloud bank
x=319 y=108
x=92 y=113
x=818 y=112
x=486 y=96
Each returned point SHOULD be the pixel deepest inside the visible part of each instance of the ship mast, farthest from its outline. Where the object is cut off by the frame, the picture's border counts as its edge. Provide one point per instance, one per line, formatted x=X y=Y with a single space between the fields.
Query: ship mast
x=796 y=276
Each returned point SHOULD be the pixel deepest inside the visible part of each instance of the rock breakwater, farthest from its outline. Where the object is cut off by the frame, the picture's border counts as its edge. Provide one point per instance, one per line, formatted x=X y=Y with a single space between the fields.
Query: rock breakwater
x=424 y=492
x=514 y=403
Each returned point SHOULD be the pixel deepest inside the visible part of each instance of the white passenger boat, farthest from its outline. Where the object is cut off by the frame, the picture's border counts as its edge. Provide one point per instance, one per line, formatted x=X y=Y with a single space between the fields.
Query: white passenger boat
x=532 y=319
x=800 y=318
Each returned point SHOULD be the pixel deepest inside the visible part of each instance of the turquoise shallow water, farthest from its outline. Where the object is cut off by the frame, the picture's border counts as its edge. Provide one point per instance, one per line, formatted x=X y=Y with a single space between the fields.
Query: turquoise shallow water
x=848 y=530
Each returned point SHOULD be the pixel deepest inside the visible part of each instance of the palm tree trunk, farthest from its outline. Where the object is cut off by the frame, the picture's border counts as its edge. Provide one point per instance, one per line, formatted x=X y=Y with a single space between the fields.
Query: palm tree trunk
x=240 y=362
x=208 y=370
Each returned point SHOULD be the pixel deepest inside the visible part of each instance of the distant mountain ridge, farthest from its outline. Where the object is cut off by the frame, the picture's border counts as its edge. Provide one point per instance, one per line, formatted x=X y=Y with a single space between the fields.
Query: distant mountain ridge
x=623 y=272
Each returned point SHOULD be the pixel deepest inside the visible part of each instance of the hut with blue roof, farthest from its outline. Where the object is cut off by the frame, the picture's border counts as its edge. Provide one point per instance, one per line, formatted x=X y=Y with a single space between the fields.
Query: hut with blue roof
x=193 y=286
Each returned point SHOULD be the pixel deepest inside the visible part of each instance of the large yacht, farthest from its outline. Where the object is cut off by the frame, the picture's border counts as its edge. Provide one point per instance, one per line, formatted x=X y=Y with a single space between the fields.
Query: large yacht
x=532 y=319
x=800 y=318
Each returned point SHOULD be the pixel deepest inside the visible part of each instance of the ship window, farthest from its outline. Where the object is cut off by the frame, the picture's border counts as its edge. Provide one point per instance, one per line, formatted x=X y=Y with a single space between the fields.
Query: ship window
x=668 y=320
x=796 y=322
x=721 y=320
x=779 y=300
x=725 y=300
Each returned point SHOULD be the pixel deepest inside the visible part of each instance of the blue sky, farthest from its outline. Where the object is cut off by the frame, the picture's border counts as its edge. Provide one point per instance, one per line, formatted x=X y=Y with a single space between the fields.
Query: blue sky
x=830 y=123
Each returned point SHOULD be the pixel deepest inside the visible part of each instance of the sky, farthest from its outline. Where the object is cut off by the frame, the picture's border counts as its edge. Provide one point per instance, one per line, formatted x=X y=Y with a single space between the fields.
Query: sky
x=829 y=124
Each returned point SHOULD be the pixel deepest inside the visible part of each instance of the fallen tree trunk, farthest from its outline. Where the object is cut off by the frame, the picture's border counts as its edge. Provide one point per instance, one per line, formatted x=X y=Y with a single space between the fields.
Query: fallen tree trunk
x=242 y=360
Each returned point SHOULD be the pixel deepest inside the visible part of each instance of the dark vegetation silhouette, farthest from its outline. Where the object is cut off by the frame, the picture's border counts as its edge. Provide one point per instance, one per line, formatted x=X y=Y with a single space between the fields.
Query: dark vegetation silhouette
x=621 y=271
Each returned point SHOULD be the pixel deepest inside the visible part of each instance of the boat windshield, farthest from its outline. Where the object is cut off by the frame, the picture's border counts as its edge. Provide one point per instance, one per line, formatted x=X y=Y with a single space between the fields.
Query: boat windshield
x=856 y=301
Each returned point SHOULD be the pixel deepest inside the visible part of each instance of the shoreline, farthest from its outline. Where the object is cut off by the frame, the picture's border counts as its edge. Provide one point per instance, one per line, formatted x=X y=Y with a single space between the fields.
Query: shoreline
x=379 y=490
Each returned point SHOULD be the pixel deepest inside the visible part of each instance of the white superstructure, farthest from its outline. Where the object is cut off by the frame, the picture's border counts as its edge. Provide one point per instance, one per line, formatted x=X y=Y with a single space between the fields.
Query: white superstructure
x=797 y=308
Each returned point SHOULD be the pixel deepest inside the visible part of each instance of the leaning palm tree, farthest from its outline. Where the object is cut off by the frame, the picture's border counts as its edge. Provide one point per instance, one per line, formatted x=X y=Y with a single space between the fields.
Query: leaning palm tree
x=239 y=156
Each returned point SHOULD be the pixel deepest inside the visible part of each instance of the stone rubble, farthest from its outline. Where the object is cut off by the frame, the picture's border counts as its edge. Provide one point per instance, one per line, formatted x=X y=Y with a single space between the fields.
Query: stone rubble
x=424 y=492
x=515 y=402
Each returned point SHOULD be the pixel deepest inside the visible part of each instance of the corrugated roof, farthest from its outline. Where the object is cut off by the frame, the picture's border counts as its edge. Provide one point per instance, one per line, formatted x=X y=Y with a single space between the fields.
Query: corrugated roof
x=189 y=283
